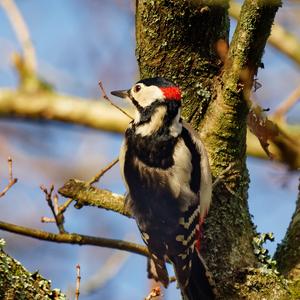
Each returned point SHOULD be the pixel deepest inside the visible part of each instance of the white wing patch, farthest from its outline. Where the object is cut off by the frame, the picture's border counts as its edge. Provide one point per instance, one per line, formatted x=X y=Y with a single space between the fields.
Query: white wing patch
x=122 y=161
x=180 y=175
x=206 y=180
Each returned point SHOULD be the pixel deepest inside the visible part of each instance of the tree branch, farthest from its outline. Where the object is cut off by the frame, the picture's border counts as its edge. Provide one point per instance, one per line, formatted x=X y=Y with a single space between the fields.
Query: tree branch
x=287 y=104
x=74 y=238
x=86 y=195
x=52 y=106
x=11 y=179
x=248 y=42
x=280 y=38
x=223 y=131
x=288 y=251
x=21 y=30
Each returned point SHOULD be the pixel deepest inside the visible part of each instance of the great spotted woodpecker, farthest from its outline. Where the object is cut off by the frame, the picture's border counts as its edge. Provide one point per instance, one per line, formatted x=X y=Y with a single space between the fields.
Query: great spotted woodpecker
x=168 y=180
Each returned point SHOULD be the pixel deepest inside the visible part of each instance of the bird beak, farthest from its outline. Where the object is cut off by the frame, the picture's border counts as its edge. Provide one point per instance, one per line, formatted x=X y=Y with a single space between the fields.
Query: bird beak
x=121 y=93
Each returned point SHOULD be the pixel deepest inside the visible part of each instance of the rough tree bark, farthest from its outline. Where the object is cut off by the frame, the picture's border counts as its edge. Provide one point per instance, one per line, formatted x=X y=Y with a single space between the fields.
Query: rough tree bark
x=186 y=41
x=288 y=252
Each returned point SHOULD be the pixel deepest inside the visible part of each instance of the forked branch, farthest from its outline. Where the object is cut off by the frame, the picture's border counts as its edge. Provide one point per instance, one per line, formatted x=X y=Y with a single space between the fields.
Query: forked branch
x=11 y=179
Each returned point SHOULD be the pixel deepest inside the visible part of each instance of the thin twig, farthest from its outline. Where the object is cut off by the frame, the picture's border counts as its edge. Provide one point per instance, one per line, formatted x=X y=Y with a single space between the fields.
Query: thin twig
x=11 y=180
x=113 y=104
x=103 y=171
x=47 y=220
x=62 y=208
x=78 y=278
x=21 y=30
x=55 y=203
x=108 y=270
x=287 y=104
x=59 y=218
x=74 y=238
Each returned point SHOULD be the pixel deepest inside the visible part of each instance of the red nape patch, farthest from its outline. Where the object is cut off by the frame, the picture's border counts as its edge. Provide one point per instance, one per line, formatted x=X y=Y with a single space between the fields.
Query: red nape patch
x=171 y=93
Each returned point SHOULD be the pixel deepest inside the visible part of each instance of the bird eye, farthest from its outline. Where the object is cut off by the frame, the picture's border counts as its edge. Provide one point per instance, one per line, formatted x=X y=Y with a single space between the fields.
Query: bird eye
x=137 y=88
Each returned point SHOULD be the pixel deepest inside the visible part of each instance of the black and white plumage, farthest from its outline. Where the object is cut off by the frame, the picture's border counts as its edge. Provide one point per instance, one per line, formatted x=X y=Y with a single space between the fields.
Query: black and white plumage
x=168 y=180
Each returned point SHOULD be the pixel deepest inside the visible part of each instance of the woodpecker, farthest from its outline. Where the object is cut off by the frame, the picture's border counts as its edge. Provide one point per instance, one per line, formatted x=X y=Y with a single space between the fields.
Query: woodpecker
x=168 y=181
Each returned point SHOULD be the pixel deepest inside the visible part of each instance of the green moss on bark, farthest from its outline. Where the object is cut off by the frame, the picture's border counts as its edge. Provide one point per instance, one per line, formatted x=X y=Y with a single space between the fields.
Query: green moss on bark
x=288 y=252
x=19 y=284
x=177 y=40
x=256 y=284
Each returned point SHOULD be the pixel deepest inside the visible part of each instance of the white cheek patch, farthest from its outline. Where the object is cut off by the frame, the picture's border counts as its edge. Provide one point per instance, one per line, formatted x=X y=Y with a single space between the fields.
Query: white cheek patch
x=155 y=123
x=147 y=95
x=137 y=116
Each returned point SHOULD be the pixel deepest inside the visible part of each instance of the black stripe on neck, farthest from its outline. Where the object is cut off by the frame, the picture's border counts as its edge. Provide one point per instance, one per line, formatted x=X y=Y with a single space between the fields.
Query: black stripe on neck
x=196 y=172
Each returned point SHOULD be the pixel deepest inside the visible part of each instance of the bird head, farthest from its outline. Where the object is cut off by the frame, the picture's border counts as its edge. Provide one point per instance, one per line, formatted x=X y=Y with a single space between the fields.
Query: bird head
x=151 y=90
x=156 y=100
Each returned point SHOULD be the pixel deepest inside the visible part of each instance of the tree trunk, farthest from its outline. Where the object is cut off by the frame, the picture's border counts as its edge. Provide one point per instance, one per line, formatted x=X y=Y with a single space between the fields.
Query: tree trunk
x=187 y=42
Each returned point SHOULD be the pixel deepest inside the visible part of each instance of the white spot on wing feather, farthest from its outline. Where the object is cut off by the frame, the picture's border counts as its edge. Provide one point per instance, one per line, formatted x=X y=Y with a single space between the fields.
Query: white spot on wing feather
x=190 y=220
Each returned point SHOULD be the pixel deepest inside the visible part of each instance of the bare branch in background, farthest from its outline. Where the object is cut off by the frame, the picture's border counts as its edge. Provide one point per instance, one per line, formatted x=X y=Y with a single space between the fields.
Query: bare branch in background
x=288 y=251
x=11 y=179
x=78 y=278
x=74 y=238
x=287 y=104
x=113 y=104
x=69 y=109
x=103 y=171
x=21 y=30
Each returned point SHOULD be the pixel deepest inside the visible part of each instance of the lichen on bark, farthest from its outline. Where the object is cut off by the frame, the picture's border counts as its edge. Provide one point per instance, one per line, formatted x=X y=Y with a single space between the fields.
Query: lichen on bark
x=288 y=252
x=19 y=284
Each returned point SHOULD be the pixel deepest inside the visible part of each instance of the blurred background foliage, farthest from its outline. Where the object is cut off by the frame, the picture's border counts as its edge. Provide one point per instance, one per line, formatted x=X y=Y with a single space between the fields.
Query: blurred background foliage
x=78 y=43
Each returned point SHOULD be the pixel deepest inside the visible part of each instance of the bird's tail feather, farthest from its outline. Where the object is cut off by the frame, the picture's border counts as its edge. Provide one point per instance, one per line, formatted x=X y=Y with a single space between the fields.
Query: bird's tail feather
x=157 y=270
x=200 y=285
